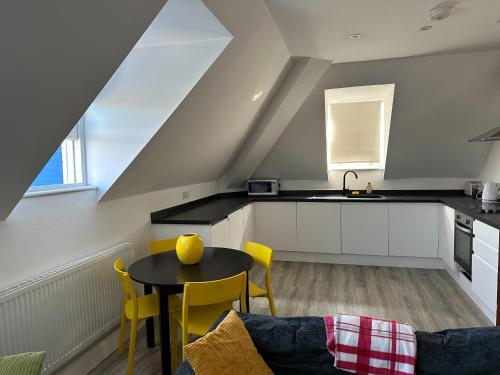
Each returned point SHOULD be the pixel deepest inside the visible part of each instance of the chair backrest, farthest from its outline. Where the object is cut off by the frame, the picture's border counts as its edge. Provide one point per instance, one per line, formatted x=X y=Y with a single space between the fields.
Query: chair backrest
x=212 y=292
x=160 y=246
x=125 y=280
x=261 y=254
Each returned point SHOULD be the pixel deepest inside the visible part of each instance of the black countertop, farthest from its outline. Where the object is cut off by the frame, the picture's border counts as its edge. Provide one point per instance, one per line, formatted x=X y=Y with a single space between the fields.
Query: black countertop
x=211 y=210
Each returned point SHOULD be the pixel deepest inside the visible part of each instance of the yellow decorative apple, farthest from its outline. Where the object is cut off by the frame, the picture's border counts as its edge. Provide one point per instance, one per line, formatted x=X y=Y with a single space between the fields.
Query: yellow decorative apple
x=189 y=248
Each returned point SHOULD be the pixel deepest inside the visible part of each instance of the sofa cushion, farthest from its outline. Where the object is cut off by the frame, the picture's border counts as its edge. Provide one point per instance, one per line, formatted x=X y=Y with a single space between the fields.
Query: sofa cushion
x=459 y=352
x=230 y=350
x=22 y=364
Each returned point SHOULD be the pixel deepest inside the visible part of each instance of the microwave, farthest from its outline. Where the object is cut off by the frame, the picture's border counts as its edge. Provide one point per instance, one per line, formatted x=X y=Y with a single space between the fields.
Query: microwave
x=263 y=187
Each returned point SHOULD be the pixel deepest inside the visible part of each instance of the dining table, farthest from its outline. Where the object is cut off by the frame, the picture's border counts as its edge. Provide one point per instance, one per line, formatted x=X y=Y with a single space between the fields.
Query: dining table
x=165 y=273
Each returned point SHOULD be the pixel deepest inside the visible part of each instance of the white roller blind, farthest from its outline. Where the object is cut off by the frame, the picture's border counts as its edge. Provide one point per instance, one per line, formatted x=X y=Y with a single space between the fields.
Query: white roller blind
x=356 y=132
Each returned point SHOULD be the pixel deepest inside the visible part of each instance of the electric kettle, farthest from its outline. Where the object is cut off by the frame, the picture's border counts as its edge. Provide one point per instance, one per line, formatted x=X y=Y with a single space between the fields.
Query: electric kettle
x=490 y=191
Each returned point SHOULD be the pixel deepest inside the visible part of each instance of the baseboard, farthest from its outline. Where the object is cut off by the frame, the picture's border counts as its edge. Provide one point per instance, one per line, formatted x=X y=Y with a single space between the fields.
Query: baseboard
x=362 y=260
x=94 y=355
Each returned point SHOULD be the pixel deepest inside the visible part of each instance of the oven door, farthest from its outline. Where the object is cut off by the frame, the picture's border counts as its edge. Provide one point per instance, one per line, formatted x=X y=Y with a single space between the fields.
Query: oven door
x=463 y=249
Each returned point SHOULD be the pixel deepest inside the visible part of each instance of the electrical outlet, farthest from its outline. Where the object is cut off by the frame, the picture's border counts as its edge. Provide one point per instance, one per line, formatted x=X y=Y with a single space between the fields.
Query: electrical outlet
x=185 y=194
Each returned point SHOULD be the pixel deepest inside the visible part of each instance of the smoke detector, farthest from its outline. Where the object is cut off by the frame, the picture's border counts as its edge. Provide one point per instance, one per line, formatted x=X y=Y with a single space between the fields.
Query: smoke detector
x=440 y=12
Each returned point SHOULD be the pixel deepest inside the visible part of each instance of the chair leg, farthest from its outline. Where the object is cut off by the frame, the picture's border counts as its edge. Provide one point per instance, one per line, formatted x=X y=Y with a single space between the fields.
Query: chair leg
x=131 y=348
x=271 y=303
x=173 y=342
x=123 y=325
x=185 y=341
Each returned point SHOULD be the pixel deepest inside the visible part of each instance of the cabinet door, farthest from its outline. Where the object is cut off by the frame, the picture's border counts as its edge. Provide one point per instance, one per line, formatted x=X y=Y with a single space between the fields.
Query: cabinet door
x=318 y=227
x=484 y=282
x=236 y=228
x=446 y=235
x=220 y=234
x=413 y=230
x=276 y=224
x=365 y=228
x=249 y=222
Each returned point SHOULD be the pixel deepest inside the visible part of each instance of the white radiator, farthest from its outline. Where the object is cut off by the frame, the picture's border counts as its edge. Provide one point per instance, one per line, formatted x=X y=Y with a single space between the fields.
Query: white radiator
x=65 y=310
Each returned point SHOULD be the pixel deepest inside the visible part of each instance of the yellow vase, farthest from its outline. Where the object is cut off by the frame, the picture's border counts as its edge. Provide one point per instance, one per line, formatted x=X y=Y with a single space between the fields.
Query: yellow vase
x=189 y=248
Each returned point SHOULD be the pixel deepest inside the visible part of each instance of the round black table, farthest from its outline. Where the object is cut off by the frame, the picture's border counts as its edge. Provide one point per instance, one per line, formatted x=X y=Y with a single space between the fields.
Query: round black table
x=164 y=272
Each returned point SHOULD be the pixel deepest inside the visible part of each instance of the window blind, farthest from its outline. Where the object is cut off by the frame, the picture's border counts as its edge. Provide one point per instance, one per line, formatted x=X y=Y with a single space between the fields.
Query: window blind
x=356 y=131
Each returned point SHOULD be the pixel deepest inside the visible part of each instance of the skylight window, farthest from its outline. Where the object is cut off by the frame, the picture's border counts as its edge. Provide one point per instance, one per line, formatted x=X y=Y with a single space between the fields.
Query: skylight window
x=65 y=168
x=357 y=126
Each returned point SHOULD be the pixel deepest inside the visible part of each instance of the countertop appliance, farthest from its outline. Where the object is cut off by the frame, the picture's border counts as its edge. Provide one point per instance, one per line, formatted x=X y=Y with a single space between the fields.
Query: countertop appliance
x=489 y=198
x=463 y=243
x=472 y=188
x=270 y=186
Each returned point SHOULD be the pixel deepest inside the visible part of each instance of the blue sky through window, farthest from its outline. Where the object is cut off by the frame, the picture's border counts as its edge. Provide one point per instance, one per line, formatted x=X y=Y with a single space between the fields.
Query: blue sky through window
x=52 y=173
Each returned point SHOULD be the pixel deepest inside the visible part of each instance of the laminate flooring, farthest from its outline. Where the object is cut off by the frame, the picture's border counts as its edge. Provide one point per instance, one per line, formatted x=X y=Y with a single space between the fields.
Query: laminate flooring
x=429 y=300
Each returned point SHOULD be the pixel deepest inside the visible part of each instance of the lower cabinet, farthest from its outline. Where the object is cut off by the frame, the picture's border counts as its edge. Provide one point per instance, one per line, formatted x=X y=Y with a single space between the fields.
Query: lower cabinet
x=220 y=234
x=365 y=228
x=413 y=230
x=236 y=229
x=276 y=224
x=446 y=230
x=484 y=282
x=318 y=227
x=249 y=222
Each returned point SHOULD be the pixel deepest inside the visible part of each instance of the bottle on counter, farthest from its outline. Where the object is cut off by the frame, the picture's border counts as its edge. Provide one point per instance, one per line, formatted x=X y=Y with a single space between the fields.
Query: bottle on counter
x=369 y=188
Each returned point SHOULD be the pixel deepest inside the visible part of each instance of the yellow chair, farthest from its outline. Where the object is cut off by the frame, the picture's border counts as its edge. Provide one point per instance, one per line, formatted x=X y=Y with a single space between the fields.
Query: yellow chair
x=135 y=308
x=263 y=256
x=204 y=302
x=160 y=246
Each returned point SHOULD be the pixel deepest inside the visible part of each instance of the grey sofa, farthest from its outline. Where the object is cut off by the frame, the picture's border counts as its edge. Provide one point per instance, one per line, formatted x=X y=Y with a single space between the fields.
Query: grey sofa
x=293 y=346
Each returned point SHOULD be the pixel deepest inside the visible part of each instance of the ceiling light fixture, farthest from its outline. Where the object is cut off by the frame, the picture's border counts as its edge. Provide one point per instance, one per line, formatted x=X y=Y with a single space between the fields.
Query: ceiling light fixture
x=440 y=12
x=256 y=96
x=425 y=28
x=355 y=36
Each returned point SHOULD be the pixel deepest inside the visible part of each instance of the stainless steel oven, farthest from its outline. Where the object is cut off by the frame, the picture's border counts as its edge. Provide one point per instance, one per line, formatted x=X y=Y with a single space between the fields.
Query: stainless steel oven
x=463 y=243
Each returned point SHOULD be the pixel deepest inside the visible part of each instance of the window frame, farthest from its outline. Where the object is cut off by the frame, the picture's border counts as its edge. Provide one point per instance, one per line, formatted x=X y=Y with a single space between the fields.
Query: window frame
x=383 y=93
x=73 y=186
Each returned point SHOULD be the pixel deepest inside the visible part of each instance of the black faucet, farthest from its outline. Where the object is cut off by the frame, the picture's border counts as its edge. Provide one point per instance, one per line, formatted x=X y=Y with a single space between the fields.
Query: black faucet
x=344 y=190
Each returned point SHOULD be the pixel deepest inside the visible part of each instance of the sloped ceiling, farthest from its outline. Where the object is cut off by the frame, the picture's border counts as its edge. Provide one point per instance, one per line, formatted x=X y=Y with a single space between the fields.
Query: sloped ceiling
x=56 y=57
x=203 y=134
x=388 y=28
x=172 y=55
x=439 y=103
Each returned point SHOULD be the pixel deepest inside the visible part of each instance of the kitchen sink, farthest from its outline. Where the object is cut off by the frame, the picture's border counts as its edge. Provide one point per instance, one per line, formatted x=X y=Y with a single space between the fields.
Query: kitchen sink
x=365 y=196
x=349 y=196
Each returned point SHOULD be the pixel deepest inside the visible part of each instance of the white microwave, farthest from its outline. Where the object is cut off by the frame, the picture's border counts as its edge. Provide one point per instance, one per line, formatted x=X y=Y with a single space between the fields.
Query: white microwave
x=263 y=187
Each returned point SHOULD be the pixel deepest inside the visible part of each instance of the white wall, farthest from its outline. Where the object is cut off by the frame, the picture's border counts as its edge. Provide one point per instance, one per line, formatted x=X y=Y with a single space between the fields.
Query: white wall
x=48 y=231
x=439 y=103
x=491 y=169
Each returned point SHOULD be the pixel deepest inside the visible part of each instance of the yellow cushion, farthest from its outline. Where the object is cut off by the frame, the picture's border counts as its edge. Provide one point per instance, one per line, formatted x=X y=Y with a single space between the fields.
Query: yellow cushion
x=227 y=350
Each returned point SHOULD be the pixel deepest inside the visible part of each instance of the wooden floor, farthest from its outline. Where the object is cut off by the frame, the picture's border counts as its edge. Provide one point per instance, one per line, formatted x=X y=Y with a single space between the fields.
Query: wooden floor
x=427 y=299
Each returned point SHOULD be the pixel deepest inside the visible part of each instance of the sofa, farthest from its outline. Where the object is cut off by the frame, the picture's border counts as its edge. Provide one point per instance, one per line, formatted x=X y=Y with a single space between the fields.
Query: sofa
x=293 y=346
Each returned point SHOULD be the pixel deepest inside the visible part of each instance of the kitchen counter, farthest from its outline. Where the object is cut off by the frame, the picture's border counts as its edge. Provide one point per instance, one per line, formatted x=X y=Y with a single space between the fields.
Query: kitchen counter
x=211 y=210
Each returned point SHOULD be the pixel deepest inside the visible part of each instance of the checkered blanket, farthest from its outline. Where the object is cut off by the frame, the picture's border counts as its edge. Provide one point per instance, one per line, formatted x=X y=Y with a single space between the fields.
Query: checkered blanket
x=368 y=346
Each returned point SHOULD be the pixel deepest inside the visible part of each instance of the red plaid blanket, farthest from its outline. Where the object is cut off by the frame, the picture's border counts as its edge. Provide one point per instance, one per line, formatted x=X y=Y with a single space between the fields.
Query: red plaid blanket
x=368 y=346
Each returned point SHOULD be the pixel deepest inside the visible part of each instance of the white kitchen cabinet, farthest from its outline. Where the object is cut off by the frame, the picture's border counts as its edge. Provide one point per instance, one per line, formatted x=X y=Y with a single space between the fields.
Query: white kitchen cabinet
x=484 y=282
x=236 y=229
x=446 y=217
x=276 y=224
x=318 y=227
x=249 y=222
x=413 y=230
x=364 y=228
x=220 y=234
